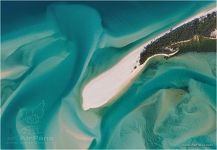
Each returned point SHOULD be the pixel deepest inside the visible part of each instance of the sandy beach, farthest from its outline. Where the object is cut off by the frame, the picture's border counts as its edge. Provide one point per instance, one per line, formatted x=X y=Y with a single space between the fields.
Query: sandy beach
x=108 y=85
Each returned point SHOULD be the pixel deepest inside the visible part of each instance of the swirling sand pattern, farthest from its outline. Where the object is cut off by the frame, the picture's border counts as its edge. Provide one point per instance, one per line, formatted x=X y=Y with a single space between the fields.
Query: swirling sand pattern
x=45 y=67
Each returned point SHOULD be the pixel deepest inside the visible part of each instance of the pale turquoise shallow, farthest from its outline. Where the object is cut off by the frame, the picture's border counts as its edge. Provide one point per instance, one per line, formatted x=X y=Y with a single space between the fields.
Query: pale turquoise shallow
x=56 y=49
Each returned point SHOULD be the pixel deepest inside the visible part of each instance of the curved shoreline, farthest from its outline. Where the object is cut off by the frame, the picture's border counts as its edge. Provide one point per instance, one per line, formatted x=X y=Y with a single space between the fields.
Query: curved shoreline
x=111 y=83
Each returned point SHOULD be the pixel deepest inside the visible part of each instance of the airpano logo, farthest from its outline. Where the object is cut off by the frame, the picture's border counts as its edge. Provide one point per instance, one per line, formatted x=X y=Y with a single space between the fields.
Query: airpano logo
x=29 y=128
x=198 y=145
x=35 y=115
x=29 y=139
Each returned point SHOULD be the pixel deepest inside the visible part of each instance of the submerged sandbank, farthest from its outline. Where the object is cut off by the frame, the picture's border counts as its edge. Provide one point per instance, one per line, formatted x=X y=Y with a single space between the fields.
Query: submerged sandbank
x=112 y=82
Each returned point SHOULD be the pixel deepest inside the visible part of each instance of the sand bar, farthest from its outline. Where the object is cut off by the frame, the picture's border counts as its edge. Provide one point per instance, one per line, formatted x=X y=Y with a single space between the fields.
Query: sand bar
x=112 y=82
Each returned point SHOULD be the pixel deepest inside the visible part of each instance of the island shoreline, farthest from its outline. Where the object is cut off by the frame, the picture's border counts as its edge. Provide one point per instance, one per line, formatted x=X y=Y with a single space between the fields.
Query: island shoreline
x=91 y=89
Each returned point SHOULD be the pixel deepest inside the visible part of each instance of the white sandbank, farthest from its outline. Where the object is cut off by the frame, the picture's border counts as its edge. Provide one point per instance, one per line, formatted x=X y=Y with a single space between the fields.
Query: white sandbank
x=112 y=82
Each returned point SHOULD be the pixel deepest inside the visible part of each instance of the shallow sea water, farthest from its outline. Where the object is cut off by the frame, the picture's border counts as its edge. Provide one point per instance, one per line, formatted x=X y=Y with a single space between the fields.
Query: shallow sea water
x=48 y=56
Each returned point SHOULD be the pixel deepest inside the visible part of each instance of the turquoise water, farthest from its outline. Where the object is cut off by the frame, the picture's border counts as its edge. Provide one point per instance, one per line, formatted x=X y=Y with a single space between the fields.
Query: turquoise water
x=145 y=99
x=51 y=53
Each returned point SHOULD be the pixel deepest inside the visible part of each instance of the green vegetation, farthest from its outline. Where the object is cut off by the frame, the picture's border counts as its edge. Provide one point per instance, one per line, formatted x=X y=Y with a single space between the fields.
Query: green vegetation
x=197 y=44
x=196 y=32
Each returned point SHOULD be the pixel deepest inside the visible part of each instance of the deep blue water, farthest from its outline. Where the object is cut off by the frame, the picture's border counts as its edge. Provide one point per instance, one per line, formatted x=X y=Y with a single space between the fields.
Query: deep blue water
x=50 y=50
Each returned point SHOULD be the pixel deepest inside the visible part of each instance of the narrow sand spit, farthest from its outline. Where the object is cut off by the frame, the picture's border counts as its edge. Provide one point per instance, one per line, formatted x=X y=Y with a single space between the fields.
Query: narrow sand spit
x=112 y=82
